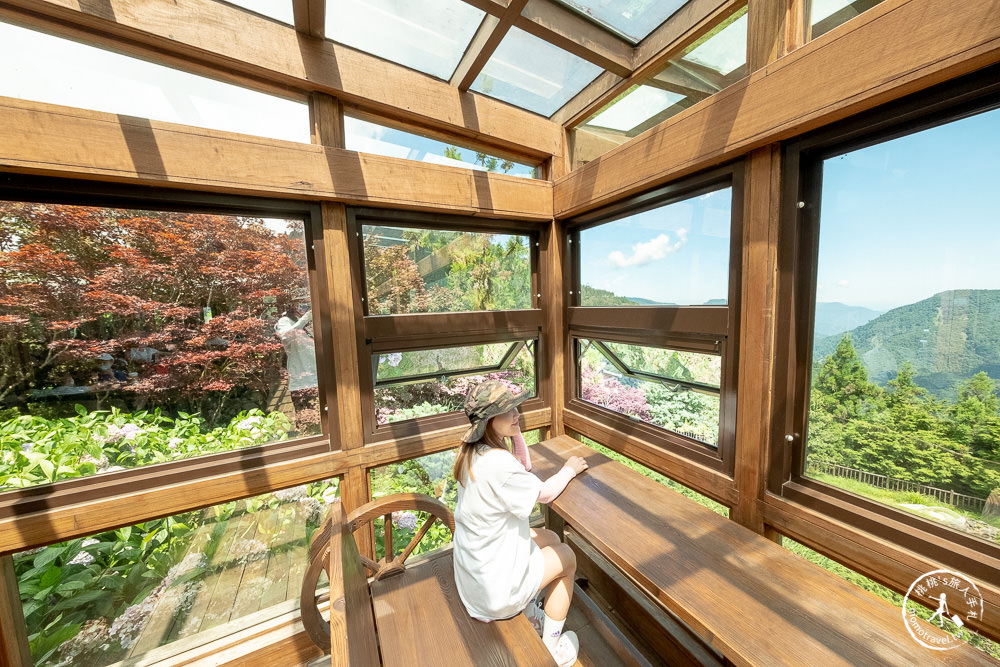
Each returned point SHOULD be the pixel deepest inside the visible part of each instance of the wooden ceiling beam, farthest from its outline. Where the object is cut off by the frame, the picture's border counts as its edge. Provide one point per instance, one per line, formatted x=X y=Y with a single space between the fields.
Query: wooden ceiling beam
x=492 y=7
x=826 y=80
x=310 y=17
x=571 y=32
x=239 y=46
x=51 y=140
x=475 y=59
x=484 y=42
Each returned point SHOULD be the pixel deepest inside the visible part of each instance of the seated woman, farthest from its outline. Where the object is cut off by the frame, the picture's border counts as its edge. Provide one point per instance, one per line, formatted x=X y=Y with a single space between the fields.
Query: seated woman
x=502 y=564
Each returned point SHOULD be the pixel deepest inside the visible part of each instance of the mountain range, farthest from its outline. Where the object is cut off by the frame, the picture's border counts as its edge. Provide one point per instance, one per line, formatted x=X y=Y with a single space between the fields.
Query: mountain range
x=948 y=338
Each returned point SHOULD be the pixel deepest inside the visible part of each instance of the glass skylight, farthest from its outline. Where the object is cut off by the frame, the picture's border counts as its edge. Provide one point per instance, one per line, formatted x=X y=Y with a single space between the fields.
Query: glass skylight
x=725 y=51
x=279 y=10
x=61 y=71
x=826 y=15
x=713 y=62
x=531 y=73
x=430 y=36
x=366 y=137
x=640 y=104
x=632 y=18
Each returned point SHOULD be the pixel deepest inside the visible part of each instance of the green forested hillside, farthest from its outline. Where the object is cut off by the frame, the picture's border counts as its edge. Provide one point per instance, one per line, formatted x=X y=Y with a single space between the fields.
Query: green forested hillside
x=592 y=296
x=947 y=338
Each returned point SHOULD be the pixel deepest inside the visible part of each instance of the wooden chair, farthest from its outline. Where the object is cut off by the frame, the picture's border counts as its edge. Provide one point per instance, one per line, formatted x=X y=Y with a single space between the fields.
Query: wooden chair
x=402 y=615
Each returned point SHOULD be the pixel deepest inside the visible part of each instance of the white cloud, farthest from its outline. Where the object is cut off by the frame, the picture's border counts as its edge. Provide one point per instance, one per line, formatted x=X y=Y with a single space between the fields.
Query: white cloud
x=650 y=251
x=843 y=283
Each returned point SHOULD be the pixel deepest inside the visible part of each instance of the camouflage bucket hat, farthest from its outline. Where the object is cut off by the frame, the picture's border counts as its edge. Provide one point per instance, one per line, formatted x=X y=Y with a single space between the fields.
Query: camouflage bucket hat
x=485 y=401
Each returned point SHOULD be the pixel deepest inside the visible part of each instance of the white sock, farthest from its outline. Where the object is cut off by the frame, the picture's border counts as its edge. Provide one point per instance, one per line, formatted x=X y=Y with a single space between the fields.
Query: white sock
x=551 y=630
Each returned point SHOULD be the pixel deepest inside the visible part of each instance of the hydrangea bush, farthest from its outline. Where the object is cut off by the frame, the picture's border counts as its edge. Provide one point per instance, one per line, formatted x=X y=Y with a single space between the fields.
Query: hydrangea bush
x=35 y=450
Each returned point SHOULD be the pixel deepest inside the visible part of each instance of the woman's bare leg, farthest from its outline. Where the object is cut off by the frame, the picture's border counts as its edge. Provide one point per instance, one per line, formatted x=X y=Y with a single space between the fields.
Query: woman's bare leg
x=560 y=568
x=544 y=537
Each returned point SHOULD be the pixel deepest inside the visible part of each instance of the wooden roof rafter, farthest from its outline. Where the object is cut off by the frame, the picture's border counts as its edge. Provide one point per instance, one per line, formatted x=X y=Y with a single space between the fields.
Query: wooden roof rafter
x=310 y=17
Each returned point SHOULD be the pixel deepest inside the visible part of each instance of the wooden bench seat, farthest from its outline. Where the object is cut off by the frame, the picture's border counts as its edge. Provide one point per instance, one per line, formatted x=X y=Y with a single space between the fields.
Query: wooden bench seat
x=421 y=621
x=751 y=599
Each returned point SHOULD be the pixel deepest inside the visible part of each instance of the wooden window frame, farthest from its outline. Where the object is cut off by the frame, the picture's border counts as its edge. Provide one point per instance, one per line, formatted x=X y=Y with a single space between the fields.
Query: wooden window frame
x=713 y=329
x=64 y=494
x=422 y=331
x=798 y=257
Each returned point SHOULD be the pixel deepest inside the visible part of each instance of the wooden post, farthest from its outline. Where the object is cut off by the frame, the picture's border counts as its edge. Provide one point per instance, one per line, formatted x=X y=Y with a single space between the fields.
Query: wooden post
x=14 y=650
x=552 y=259
x=327 y=122
x=765 y=44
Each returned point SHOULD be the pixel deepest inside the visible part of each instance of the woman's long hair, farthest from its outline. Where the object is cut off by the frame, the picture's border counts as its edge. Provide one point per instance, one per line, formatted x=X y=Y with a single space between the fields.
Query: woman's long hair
x=463 y=461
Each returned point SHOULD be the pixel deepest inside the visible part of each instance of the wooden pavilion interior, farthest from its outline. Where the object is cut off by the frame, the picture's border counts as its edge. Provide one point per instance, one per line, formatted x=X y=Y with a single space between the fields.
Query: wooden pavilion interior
x=808 y=81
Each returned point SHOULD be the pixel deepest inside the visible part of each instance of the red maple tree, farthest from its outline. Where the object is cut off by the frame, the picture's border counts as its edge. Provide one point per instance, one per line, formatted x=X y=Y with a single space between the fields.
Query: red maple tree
x=77 y=282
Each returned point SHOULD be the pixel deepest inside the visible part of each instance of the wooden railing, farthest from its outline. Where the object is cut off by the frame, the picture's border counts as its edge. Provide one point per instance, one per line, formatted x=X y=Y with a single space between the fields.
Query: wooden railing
x=947 y=496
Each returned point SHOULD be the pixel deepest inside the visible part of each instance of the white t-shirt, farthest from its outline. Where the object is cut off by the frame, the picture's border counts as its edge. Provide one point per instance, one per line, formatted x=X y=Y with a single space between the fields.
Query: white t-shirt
x=498 y=567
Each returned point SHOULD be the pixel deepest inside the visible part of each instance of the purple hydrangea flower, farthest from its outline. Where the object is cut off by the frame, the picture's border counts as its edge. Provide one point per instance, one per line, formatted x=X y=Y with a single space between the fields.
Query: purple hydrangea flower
x=405 y=520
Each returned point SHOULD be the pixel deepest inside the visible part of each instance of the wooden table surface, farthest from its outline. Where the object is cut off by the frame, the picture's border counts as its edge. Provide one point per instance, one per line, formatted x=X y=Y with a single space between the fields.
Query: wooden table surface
x=756 y=602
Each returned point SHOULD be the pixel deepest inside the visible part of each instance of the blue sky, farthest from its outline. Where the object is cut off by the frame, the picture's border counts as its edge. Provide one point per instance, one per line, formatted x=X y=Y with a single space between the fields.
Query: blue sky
x=906 y=219
x=900 y=222
x=673 y=254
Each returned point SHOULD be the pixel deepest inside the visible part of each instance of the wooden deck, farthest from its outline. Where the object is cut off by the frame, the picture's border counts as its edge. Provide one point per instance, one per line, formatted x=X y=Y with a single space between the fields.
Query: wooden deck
x=258 y=563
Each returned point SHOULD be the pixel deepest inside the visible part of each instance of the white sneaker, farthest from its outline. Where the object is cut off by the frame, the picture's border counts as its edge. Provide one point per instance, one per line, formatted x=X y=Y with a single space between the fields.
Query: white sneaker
x=566 y=650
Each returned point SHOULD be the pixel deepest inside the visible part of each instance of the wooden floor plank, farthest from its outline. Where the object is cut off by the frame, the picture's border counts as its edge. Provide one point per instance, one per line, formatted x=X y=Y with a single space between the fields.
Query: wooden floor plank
x=220 y=602
x=163 y=619
x=253 y=582
x=279 y=563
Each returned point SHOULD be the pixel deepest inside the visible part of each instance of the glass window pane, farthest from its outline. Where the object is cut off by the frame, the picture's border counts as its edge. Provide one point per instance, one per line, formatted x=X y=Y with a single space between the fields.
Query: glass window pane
x=135 y=337
x=430 y=36
x=692 y=367
x=402 y=367
x=713 y=62
x=677 y=254
x=366 y=137
x=119 y=594
x=457 y=369
x=61 y=71
x=279 y=10
x=634 y=19
x=430 y=475
x=531 y=73
x=904 y=406
x=432 y=271
x=828 y=14
x=685 y=407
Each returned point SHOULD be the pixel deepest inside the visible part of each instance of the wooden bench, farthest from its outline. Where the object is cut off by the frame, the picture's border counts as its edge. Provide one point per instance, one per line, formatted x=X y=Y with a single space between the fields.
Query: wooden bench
x=410 y=615
x=752 y=600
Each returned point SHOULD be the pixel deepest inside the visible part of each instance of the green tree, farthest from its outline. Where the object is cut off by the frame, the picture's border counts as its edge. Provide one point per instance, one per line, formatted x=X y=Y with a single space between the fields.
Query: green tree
x=452 y=152
x=841 y=387
x=975 y=417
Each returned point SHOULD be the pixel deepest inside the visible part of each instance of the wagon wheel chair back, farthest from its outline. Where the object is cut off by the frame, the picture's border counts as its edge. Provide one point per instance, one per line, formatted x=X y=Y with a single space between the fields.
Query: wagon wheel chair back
x=320 y=547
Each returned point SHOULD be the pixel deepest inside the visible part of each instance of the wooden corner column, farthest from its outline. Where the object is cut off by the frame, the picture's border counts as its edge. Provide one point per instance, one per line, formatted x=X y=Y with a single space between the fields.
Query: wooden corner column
x=14 y=651
x=327 y=121
x=767 y=40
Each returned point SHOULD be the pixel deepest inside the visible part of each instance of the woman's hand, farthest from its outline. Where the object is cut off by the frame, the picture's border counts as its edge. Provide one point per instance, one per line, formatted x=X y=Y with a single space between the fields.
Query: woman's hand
x=577 y=464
